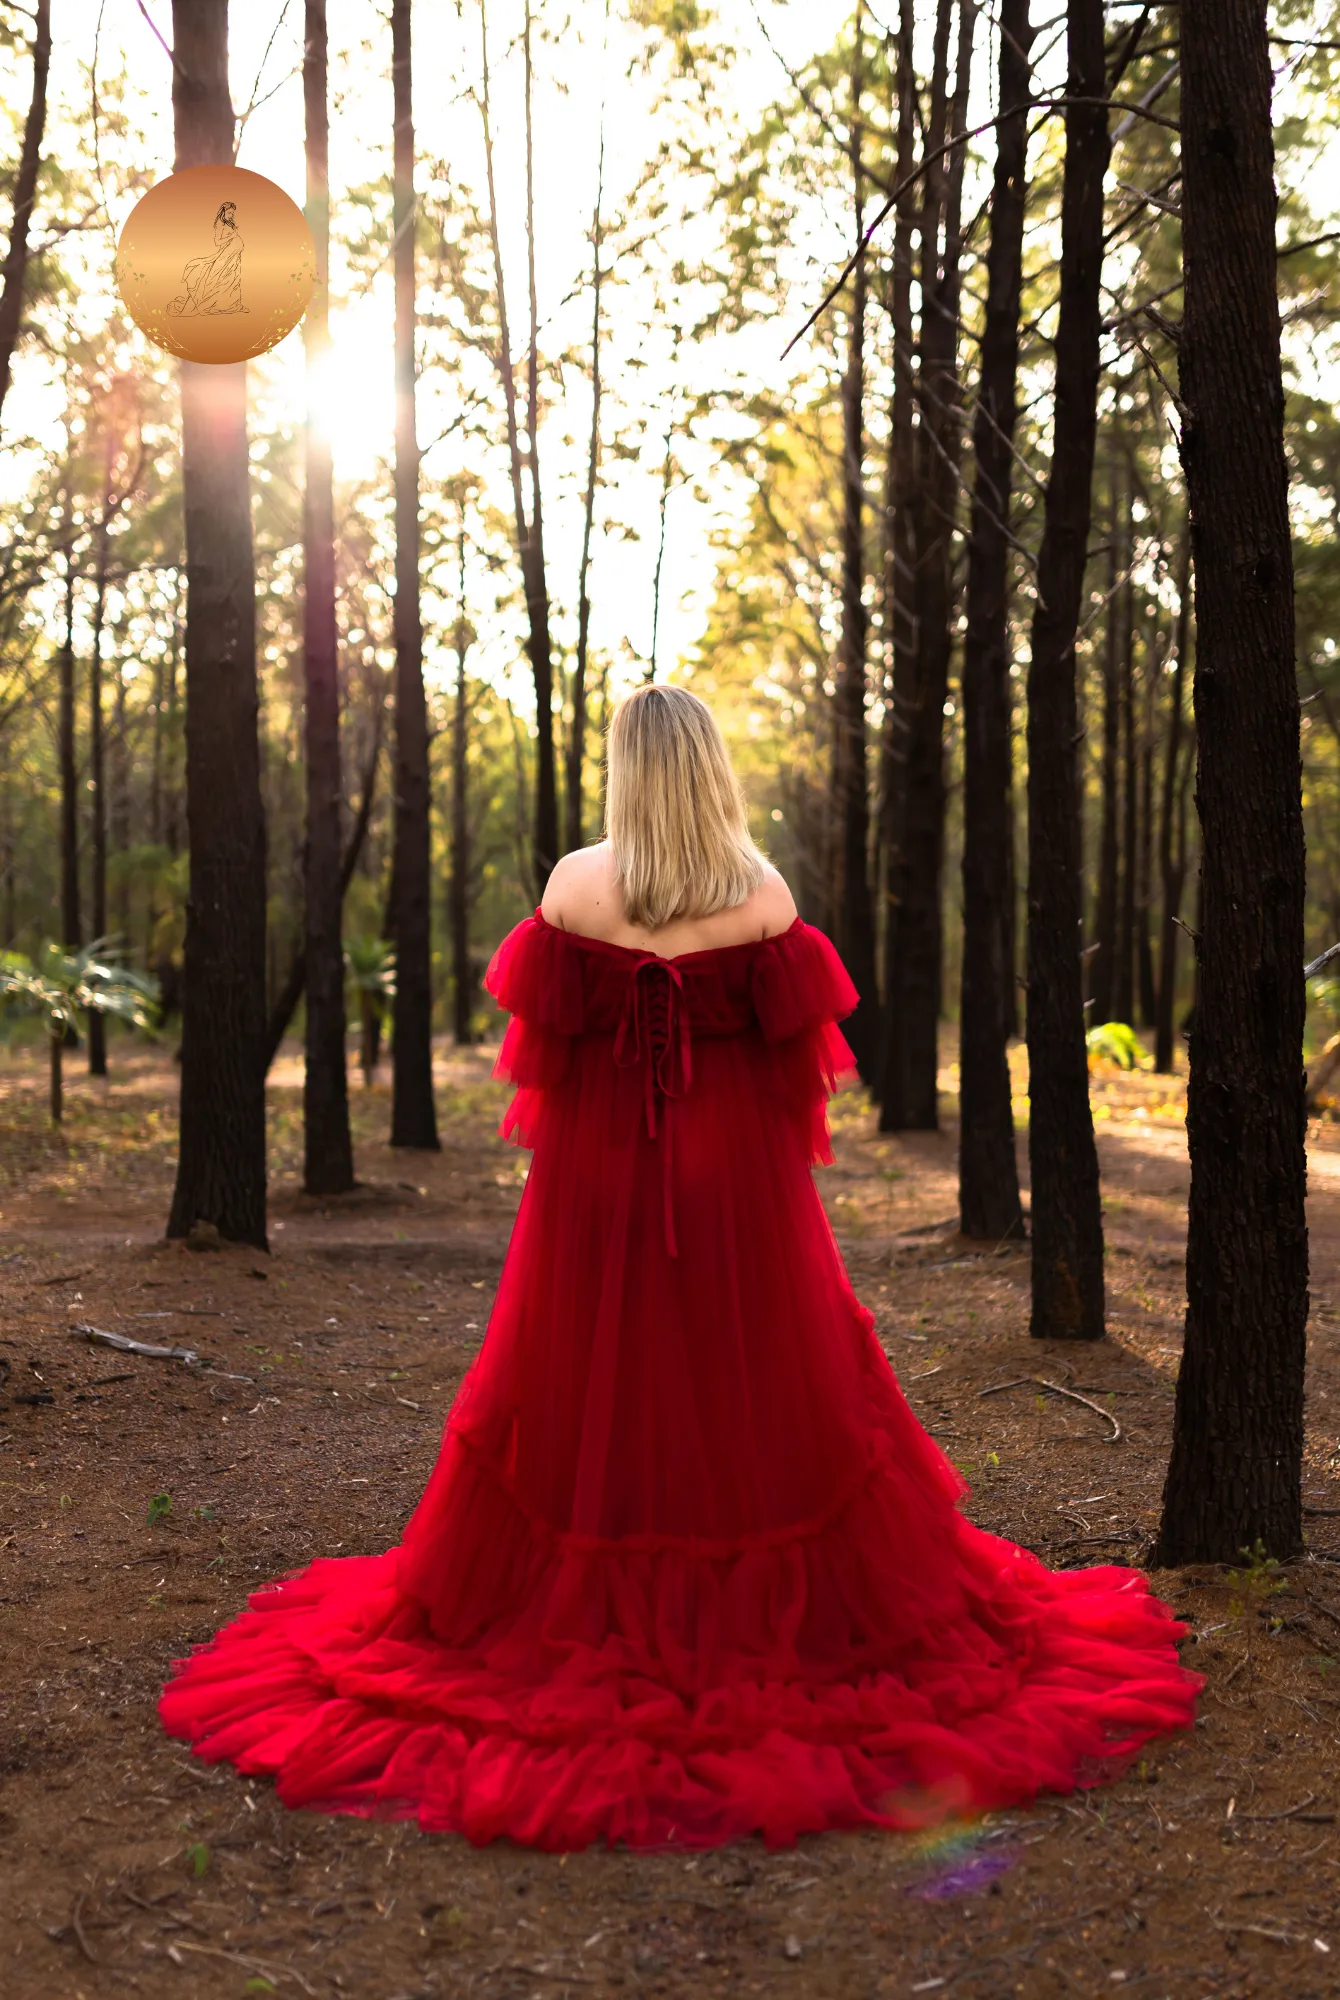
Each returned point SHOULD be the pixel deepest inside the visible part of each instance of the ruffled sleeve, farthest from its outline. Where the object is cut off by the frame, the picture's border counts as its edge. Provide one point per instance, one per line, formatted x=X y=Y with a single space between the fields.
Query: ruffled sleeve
x=801 y=990
x=536 y=977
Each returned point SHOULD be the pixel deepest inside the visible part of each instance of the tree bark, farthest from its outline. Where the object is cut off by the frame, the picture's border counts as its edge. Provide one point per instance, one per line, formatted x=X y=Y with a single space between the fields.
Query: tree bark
x=1067 y=1223
x=221 y=1160
x=328 y=1156
x=1234 y=1477
x=851 y=898
x=1172 y=825
x=413 y=1113
x=909 y=1092
x=25 y=190
x=988 y=1195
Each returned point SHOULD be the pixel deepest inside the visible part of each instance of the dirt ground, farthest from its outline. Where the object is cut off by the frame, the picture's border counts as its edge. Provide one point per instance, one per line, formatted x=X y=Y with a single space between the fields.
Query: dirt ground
x=140 y=1500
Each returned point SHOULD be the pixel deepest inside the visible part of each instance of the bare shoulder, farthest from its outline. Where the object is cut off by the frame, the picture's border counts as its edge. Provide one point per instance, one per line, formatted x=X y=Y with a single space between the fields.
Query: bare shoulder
x=580 y=894
x=772 y=903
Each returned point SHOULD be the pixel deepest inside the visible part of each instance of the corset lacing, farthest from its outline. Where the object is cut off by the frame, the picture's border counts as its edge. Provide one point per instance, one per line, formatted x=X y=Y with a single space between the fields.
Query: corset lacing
x=654 y=1031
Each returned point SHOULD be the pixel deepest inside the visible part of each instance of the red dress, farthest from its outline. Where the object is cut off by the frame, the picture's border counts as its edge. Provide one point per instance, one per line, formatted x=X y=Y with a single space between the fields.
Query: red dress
x=687 y=1567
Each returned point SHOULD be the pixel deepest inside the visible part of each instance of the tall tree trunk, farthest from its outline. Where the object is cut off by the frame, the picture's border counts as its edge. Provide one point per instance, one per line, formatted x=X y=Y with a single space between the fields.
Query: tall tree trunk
x=545 y=820
x=1144 y=855
x=328 y=1156
x=920 y=218
x=1009 y=909
x=10 y=925
x=173 y=802
x=97 y=769
x=910 y=1097
x=577 y=740
x=1123 y=995
x=25 y=189
x=667 y=480
x=899 y=528
x=1234 y=1477
x=988 y=1188
x=851 y=899
x=290 y=993
x=221 y=1161
x=118 y=797
x=529 y=528
x=413 y=1113
x=458 y=899
x=69 y=777
x=1103 y=965
x=1067 y=1222
x=1172 y=824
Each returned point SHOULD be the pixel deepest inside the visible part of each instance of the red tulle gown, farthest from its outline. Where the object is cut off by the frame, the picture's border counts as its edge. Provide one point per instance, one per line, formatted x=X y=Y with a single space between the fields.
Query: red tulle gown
x=687 y=1567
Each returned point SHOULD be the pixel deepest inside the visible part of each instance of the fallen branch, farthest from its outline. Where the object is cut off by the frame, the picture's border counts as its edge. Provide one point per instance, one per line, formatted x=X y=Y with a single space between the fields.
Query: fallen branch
x=174 y=1312
x=76 y=1925
x=1123 y=1539
x=1290 y=1812
x=266 y=1968
x=1261 y=1930
x=1055 y=1389
x=98 y=1336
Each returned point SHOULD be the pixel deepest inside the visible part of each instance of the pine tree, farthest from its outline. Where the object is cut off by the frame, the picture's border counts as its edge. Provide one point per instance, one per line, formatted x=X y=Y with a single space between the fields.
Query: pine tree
x=221 y=1161
x=1235 y=1475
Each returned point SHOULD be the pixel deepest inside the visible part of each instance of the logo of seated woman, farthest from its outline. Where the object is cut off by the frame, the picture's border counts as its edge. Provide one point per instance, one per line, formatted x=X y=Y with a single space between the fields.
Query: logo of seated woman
x=197 y=285
x=213 y=283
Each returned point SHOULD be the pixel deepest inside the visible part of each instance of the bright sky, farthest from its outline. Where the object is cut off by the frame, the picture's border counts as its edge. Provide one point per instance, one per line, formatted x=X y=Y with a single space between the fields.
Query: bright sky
x=577 y=85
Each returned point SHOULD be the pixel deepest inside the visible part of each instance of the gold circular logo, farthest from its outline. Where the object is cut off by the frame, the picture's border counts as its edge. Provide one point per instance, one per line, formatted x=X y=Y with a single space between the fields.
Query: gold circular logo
x=216 y=264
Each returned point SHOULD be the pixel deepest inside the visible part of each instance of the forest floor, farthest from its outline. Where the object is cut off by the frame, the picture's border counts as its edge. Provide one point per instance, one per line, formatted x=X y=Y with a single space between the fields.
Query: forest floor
x=140 y=1500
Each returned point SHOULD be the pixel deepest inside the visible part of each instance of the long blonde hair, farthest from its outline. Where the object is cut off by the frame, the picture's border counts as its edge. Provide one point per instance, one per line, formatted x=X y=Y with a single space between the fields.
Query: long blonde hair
x=674 y=813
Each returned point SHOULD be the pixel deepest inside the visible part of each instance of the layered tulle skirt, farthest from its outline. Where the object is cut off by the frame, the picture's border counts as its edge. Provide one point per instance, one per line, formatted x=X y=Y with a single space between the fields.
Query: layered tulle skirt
x=687 y=1567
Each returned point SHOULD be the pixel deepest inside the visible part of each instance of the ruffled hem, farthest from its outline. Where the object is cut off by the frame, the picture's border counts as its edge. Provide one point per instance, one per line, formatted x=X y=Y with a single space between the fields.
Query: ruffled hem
x=683 y=1698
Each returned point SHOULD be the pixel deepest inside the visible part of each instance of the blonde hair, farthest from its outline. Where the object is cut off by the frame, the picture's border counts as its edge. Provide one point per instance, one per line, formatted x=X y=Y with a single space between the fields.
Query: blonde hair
x=674 y=812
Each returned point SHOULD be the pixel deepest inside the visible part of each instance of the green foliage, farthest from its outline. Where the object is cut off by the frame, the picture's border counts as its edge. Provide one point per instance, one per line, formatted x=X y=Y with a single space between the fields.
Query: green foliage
x=1260 y=1578
x=60 y=986
x=1116 y=1042
x=1323 y=991
x=159 y=1508
x=370 y=965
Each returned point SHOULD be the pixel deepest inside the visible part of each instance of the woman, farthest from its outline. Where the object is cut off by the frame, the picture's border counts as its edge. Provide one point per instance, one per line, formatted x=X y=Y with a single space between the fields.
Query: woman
x=687 y=1568
x=214 y=283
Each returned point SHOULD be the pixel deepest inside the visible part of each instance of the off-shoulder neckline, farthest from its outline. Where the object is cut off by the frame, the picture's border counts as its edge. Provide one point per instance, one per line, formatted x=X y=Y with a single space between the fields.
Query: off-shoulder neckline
x=676 y=958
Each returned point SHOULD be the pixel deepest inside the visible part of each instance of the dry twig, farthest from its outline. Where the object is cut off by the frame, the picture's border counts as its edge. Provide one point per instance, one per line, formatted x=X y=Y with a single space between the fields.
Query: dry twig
x=1055 y=1389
